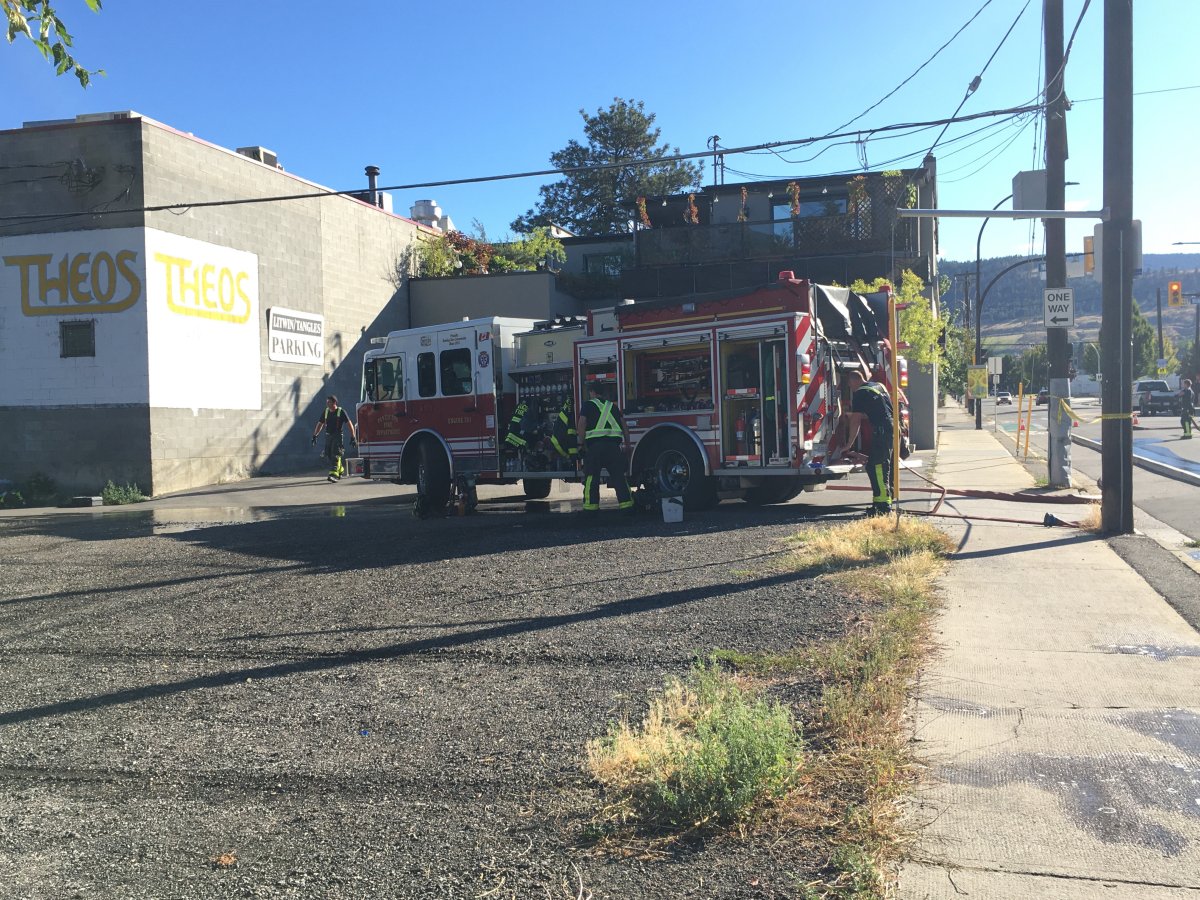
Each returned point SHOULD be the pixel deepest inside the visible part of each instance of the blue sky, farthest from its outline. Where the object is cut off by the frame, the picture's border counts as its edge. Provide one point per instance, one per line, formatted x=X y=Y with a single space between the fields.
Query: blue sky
x=430 y=92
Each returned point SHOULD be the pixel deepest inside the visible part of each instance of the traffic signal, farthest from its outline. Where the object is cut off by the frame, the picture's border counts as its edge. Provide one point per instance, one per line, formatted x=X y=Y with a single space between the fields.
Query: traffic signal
x=1174 y=293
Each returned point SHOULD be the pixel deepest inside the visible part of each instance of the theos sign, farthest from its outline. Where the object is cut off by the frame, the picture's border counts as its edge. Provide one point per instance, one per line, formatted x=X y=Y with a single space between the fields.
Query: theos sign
x=295 y=337
x=175 y=320
x=203 y=323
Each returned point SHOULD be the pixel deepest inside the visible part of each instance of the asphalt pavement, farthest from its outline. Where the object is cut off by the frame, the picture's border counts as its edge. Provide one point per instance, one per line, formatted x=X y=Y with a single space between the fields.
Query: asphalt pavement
x=1166 y=475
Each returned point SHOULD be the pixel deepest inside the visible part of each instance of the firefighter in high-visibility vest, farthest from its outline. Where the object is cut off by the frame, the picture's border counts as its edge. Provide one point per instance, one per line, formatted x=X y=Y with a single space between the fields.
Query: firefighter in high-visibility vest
x=603 y=430
x=331 y=422
x=564 y=437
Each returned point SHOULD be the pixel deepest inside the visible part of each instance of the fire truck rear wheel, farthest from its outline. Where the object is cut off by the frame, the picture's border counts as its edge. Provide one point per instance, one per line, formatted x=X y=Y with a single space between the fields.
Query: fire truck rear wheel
x=536 y=488
x=776 y=490
x=433 y=477
x=678 y=470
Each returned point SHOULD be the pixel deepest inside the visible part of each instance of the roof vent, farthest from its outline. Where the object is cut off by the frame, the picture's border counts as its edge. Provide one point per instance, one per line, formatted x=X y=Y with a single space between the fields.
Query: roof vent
x=262 y=155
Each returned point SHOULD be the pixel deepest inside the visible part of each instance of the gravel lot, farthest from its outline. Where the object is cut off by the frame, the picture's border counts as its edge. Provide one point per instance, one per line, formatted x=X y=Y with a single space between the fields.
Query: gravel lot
x=356 y=703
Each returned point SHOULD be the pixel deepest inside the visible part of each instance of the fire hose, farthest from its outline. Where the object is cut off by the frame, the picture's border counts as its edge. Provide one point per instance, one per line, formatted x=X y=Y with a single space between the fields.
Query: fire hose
x=1048 y=521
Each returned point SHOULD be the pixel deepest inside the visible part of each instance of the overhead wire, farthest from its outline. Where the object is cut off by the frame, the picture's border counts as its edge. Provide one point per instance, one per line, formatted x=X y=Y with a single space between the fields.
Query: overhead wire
x=916 y=71
x=896 y=159
x=622 y=164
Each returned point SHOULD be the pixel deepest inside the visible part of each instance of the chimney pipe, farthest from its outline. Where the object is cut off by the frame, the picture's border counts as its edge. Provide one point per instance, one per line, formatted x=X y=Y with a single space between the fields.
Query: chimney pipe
x=372 y=174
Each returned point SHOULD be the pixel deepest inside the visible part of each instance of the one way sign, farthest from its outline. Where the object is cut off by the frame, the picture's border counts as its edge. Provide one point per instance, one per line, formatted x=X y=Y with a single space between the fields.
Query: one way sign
x=1060 y=308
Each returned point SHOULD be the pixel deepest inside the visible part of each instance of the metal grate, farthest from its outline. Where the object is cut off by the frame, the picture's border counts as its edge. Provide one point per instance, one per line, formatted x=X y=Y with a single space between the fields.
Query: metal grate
x=77 y=338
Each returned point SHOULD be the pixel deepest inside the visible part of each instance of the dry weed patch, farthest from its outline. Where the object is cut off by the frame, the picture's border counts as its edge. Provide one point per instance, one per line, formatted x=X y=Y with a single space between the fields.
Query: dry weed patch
x=838 y=797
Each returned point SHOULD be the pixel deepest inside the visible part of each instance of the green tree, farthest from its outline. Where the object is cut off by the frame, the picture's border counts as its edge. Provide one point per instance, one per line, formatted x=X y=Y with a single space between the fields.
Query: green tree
x=528 y=253
x=1145 y=345
x=38 y=21
x=604 y=201
x=1091 y=358
x=919 y=327
x=956 y=356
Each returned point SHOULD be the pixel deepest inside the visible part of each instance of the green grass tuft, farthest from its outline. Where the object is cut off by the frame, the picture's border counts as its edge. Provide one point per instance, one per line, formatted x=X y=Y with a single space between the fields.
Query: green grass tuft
x=119 y=495
x=708 y=751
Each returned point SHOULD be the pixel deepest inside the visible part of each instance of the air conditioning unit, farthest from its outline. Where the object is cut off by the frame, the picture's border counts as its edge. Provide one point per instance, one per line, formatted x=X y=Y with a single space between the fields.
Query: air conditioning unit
x=261 y=154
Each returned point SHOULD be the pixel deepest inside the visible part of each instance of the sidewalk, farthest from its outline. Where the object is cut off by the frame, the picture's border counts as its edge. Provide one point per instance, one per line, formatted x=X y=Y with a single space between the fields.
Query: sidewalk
x=1060 y=720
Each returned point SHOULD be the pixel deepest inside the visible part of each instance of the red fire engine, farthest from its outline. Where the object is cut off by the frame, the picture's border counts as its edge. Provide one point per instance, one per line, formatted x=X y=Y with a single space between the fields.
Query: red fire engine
x=723 y=395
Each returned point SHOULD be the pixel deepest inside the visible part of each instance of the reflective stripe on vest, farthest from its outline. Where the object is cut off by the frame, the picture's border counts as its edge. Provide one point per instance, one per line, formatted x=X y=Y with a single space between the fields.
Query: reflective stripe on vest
x=606 y=423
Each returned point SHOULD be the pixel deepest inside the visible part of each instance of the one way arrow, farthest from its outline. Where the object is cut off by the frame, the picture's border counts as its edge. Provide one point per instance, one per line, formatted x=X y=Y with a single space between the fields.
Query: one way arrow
x=1056 y=320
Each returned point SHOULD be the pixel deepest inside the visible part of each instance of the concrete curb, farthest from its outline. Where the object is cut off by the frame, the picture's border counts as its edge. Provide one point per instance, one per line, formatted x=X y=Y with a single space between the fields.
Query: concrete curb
x=1151 y=465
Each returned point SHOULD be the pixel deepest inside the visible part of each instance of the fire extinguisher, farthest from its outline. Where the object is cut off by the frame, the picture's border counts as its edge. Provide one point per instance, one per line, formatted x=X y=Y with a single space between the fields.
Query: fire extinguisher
x=755 y=432
x=739 y=429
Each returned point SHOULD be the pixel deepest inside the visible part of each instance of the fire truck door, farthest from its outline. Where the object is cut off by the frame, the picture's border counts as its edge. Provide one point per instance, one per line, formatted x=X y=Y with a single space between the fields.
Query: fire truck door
x=385 y=404
x=775 y=402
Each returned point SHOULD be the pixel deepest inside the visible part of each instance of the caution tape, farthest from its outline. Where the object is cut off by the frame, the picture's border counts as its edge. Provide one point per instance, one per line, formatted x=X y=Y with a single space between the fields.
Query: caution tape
x=1103 y=417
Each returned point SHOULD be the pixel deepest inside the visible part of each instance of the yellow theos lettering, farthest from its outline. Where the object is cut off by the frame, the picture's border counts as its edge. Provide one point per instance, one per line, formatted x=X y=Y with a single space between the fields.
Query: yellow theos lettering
x=81 y=280
x=190 y=288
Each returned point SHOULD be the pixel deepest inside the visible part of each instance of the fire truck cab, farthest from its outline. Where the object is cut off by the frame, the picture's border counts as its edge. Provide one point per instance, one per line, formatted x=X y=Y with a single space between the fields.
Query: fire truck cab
x=434 y=403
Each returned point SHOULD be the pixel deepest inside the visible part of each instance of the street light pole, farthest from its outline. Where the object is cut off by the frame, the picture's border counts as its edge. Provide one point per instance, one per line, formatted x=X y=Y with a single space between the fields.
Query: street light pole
x=979 y=307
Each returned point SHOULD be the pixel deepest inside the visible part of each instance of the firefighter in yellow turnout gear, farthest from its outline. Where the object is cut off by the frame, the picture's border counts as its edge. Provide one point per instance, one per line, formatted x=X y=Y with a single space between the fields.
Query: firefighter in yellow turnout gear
x=564 y=438
x=603 y=429
x=331 y=423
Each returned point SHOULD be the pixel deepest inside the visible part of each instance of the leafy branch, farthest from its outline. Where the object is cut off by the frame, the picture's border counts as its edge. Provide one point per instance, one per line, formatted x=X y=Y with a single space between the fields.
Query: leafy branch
x=38 y=21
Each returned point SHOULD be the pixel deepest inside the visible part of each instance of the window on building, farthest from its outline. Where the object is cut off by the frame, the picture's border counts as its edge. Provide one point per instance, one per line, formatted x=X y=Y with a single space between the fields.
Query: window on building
x=456 y=372
x=426 y=375
x=77 y=338
x=602 y=264
x=816 y=207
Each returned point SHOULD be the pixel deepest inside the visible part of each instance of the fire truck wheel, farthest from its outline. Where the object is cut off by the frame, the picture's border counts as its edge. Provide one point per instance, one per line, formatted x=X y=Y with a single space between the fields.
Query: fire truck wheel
x=536 y=488
x=433 y=477
x=678 y=470
x=775 y=490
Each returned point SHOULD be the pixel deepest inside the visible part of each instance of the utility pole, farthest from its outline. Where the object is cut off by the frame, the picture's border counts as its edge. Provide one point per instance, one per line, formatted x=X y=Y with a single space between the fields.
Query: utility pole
x=1116 y=510
x=1158 y=300
x=1058 y=349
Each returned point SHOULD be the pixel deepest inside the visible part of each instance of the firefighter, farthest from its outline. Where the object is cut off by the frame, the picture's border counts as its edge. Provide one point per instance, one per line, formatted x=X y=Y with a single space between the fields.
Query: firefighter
x=604 y=433
x=564 y=438
x=871 y=403
x=332 y=421
x=1187 y=408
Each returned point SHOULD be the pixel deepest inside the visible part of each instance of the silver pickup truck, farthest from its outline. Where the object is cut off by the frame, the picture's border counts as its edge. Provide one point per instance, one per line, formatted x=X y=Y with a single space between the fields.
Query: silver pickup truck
x=1152 y=397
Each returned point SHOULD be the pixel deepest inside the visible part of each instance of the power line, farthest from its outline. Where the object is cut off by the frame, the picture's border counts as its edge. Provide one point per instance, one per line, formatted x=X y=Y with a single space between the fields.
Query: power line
x=1186 y=87
x=974 y=85
x=571 y=170
x=916 y=71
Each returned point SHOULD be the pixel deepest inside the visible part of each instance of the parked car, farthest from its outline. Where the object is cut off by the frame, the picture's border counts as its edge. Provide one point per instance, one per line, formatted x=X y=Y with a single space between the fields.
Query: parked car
x=1152 y=396
x=1003 y=398
x=1043 y=397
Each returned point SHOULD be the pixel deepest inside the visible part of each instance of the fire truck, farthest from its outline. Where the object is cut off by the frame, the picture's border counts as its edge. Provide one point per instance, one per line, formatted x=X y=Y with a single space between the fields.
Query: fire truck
x=723 y=395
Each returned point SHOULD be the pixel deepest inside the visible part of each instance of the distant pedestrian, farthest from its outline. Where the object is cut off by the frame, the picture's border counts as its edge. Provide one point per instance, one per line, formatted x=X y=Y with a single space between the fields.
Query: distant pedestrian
x=331 y=421
x=870 y=403
x=1187 y=408
x=603 y=430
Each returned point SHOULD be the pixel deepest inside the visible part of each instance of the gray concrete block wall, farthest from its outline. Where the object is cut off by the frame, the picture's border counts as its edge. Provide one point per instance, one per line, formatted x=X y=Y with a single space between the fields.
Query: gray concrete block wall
x=525 y=295
x=79 y=447
x=110 y=153
x=328 y=256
